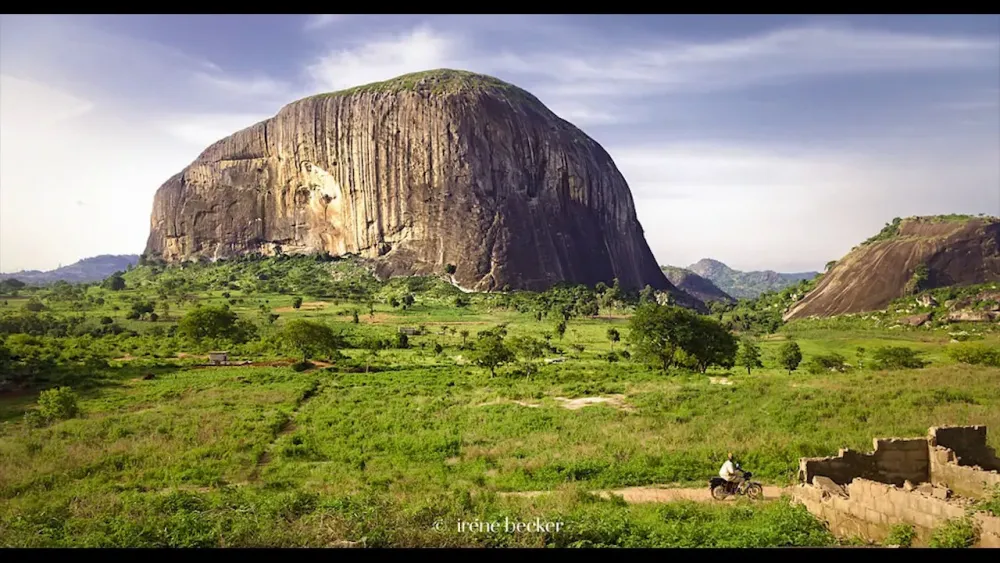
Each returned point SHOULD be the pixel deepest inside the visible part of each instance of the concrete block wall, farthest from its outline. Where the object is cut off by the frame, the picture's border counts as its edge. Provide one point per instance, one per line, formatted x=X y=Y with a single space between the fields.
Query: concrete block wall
x=969 y=445
x=962 y=480
x=894 y=460
x=873 y=508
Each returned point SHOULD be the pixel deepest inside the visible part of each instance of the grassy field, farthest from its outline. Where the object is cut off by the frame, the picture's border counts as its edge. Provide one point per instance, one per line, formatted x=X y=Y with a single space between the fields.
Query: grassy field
x=169 y=453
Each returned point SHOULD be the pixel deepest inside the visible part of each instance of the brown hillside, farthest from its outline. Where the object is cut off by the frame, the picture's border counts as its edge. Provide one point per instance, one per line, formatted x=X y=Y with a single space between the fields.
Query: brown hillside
x=955 y=251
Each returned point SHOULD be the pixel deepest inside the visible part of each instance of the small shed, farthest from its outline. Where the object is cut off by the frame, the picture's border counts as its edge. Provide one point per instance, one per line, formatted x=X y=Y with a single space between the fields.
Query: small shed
x=218 y=358
x=409 y=330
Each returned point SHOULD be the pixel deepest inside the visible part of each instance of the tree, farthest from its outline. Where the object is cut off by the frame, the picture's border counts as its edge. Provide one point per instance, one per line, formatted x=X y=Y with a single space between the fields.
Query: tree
x=11 y=286
x=402 y=340
x=373 y=346
x=614 y=336
x=647 y=295
x=297 y=303
x=34 y=305
x=561 y=328
x=165 y=307
x=658 y=332
x=116 y=282
x=140 y=309
x=211 y=322
x=310 y=338
x=790 y=356
x=450 y=269
x=408 y=300
x=710 y=344
x=491 y=352
x=528 y=349
x=749 y=355
x=464 y=334
x=861 y=356
x=354 y=316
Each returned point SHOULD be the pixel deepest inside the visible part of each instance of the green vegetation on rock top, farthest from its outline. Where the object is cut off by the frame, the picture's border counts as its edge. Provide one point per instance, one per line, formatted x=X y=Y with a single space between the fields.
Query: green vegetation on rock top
x=440 y=82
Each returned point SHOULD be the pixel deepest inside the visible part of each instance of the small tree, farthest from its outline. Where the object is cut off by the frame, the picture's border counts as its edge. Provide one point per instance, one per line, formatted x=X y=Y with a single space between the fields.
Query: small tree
x=116 y=282
x=310 y=338
x=647 y=295
x=372 y=346
x=861 y=357
x=749 y=355
x=402 y=340
x=789 y=356
x=408 y=300
x=561 y=328
x=354 y=316
x=297 y=303
x=491 y=352
x=465 y=334
x=34 y=305
x=528 y=349
x=450 y=269
x=613 y=336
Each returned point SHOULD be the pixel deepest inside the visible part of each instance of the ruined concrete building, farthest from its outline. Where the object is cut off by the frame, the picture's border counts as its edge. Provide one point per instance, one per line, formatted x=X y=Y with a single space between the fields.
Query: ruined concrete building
x=924 y=482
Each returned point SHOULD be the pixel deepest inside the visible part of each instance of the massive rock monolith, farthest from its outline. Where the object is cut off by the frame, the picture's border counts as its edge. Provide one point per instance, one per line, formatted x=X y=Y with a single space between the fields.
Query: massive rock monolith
x=419 y=172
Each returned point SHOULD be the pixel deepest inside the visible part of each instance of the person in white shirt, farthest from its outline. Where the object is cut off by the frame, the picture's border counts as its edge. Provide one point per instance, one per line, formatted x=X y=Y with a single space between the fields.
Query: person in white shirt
x=730 y=473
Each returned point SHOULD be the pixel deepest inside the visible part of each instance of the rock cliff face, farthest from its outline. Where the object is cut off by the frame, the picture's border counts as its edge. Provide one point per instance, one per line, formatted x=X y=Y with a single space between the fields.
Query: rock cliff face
x=419 y=172
x=909 y=255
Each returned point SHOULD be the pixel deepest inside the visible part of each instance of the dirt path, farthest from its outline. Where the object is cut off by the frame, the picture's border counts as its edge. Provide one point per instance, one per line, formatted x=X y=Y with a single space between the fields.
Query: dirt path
x=636 y=495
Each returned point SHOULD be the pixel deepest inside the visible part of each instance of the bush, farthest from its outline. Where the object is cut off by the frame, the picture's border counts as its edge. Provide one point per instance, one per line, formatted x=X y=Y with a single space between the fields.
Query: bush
x=59 y=403
x=107 y=320
x=826 y=363
x=897 y=357
x=975 y=353
x=901 y=535
x=438 y=348
x=956 y=533
x=402 y=340
x=302 y=365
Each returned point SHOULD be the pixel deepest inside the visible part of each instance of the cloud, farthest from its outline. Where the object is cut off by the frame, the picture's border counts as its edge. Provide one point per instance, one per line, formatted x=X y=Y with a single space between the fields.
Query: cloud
x=202 y=130
x=318 y=21
x=386 y=57
x=766 y=58
x=788 y=208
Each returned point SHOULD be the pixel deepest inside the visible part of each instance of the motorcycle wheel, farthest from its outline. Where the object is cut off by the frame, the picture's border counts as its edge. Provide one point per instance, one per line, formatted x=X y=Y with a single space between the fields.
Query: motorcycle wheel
x=755 y=491
x=719 y=492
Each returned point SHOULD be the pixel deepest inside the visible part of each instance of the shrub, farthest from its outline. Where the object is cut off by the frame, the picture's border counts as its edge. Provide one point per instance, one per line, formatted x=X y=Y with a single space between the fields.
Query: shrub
x=438 y=348
x=991 y=504
x=297 y=303
x=107 y=320
x=59 y=403
x=956 y=533
x=897 y=357
x=34 y=305
x=975 y=353
x=901 y=535
x=302 y=365
x=402 y=340
x=826 y=363
x=611 y=357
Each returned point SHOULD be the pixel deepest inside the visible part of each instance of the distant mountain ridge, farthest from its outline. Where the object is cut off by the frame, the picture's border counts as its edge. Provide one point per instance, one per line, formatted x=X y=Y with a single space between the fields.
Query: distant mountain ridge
x=87 y=270
x=698 y=287
x=746 y=285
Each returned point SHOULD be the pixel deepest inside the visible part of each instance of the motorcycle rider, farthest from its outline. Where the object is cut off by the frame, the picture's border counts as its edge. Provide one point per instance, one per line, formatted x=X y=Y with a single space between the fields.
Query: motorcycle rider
x=731 y=472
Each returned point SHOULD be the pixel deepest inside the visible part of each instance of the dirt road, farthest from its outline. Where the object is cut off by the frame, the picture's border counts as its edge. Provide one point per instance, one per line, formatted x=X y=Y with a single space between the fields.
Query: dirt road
x=659 y=494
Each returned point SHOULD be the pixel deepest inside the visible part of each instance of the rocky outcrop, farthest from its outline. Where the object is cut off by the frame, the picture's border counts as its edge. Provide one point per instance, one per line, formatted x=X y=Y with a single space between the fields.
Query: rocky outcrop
x=696 y=286
x=920 y=253
x=420 y=172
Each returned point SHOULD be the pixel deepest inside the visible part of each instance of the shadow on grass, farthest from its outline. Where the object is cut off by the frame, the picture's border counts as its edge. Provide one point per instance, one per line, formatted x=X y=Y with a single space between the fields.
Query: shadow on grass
x=88 y=382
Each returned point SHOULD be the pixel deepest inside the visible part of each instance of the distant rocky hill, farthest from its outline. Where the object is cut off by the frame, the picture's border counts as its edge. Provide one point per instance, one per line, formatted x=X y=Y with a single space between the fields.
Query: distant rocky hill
x=431 y=172
x=908 y=256
x=745 y=285
x=87 y=270
x=693 y=284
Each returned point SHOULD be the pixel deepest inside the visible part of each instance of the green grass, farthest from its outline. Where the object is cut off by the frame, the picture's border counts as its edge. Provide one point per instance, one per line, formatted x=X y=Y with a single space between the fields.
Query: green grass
x=165 y=453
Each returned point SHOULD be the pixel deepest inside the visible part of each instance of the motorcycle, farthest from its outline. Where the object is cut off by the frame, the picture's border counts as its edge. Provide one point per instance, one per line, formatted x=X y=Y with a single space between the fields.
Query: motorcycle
x=721 y=488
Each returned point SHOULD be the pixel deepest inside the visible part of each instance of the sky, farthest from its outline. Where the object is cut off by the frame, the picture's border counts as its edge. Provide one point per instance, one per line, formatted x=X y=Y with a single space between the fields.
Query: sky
x=766 y=142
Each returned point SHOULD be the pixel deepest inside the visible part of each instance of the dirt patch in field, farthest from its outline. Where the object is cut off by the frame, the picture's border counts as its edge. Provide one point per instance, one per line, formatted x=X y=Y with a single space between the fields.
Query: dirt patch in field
x=616 y=401
x=509 y=402
x=310 y=306
x=637 y=495
x=720 y=381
